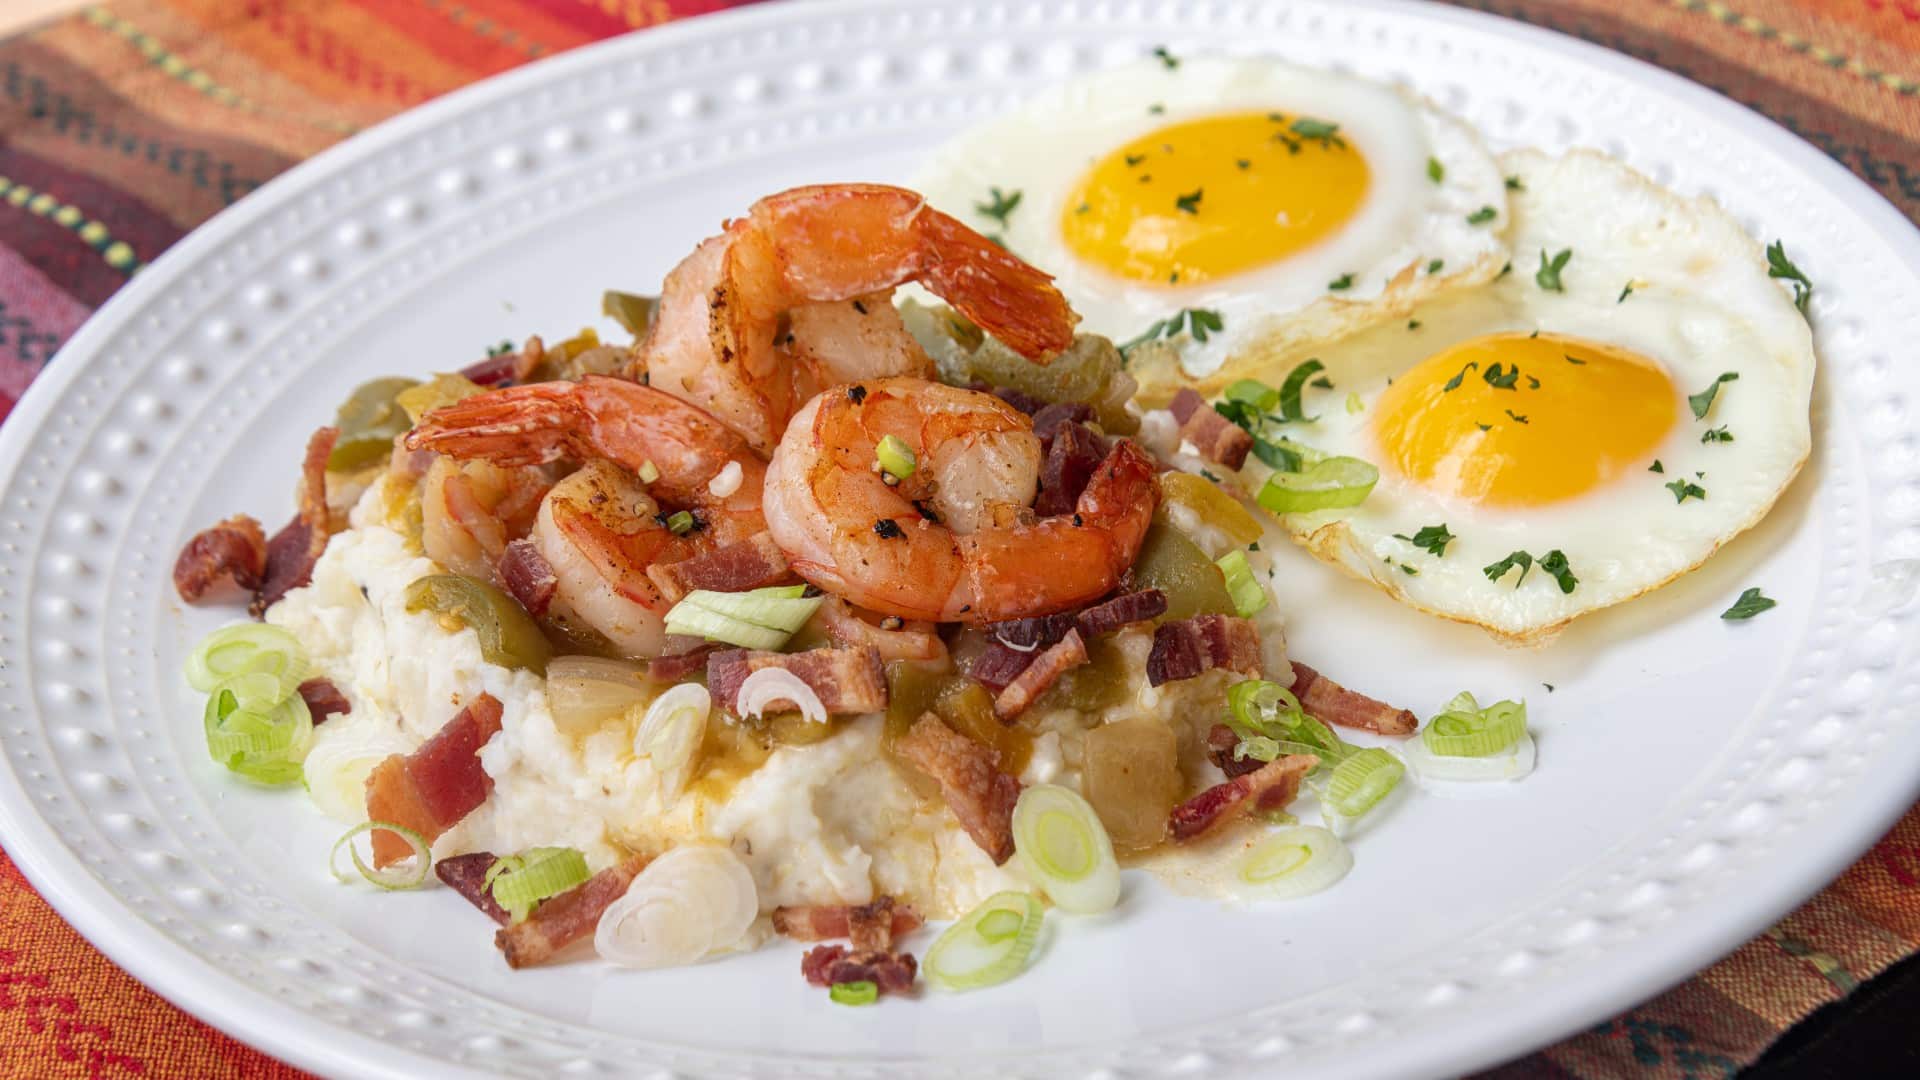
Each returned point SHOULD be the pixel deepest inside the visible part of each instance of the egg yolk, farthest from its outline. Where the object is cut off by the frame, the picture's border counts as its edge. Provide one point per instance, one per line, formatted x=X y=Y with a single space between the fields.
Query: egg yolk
x=1205 y=198
x=1511 y=420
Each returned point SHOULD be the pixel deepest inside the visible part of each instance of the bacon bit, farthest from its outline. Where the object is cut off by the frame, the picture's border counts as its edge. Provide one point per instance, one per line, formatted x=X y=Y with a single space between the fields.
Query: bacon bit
x=296 y=547
x=1073 y=455
x=528 y=576
x=408 y=465
x=737 y=567
x=1327 y=700
x=890 y=972
x=503 y=370
x=1025 y=635
x=1023 y=691
x=847 y=680
x=431 y=789
x=870 y=925
x=467 y=875
x=1221 y=743
x=234 y=550
x=1122 y=610
x=1000 y=664
x=824 y=922
x=1026 y=403
x=323 y=699
x=677 y=667
x=1184 y=649
x=1270 y=787
x=1048 y=421
x=564 y=919
x=917 y=641
x=1217 y=438
x=979 y=794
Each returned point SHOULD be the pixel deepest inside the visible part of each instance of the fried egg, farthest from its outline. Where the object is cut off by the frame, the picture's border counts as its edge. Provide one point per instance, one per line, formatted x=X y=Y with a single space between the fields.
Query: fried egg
x=1286 y=204
x=1599 y=420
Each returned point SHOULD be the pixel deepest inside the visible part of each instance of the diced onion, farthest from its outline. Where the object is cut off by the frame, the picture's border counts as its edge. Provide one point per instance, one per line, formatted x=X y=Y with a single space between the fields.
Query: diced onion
x=535 y=876
x=1512 y=764
x=1065 y=849
x=760 y=619
x=584 y=692
x=398 y=876
x=247 y=648
x=1464 y=729
x=770 y=684
x=1248 y=596
x=1326 y=485
x=648 y=472
x=726 y=481
x=895 y=457
x=989 y=945
x=1361 y=780
x=1292 y=862
x=336 y=772
x=864 y=992
x=690 y=902
x=670 y=733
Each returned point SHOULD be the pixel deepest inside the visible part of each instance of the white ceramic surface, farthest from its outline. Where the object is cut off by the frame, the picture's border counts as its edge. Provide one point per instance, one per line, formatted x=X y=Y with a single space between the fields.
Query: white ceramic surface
x=1697 y=778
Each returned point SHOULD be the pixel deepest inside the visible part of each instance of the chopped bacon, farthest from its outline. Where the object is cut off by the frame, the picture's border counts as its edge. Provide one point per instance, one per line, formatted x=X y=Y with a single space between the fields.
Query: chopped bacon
x=1026 y=403
x=431 y=789
x=918 y=641
x=1000 y=664
x=1048 y=421
x=979 y=794
x=676 y=667
x=830 y=965
x=824 y=922
x=467 y=875
x=1335 y=704
x=234 y=550
x=503 y=369
x=1073 y=456
x=1038 y=631
x=737 y=567
x=1023 y=691
x=323 y=699
x=1184 y=649
x=1221 y=743
x=846 y=680
x=1132 y=607
x=1217 y=438
x=528 y=576
x=294 y=550
x=870 y=925
x=564 y=919
x=1270 y=787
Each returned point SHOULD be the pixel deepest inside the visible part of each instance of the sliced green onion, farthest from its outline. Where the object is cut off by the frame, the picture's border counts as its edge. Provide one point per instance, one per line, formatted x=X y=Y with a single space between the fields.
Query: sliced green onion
x=398 y=876
x=255 y=736
x=1065 y=848
x=648 y=472
x=1516 y=762
x=1293 y=862
x=1271 y=722
x=761 y=619
x=863 y=992
x=1248 y=596
x=1471 y=731
x=1361 y=780
x=1354 y=404
x=537 y=875
x=989 y=945
x=247 y=648
x=1329 y=485
x=1253 y=392
x=680 y=522
x=896 y=457
x=630 y=310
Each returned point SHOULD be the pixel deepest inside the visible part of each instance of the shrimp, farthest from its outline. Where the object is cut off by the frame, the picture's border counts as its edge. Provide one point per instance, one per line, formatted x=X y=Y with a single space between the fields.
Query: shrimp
x=602 y=528
x=796 y=296
x=977 y=553
x=470 y=510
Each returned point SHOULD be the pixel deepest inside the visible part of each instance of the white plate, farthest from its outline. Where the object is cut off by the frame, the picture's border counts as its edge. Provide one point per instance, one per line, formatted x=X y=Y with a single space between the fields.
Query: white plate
x=1697 y=778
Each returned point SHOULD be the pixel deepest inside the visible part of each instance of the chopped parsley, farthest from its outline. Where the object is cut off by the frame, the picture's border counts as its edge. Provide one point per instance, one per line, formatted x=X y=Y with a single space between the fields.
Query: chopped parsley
x=1556 y=564
x=1327 y=135
x=1482 y=215
x=1624 y=293
x=1243 y=163
x=1752 y=602
x=1134 y=159
x=1156 y=109
x=1684 y=490
x=1702 y=402
x=501 y=349
x=1572 y=359
x=1341 y=283
x=1514 y=183
x=1167 y=59
x=1434 y=266
x=1413 y=324
x=1190 y=202
x=1719 y=434
x=1434 y=538
x=1196 y=321
x=1782 y=268
x=1436 y=172
x=1496 y=571
x=1553 y=563
x=1501 y=379
x=1002 y=204
x=1408 y=570
x=1454 y=383
x=1504 y=270
x=1549 y=273
x=1323 y=383
x=1515 y=417
x=1656 y=466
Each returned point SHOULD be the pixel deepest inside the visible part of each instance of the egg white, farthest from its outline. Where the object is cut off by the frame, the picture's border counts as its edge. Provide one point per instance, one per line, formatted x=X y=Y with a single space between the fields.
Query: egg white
x=1701 y=305
x=1406 y=221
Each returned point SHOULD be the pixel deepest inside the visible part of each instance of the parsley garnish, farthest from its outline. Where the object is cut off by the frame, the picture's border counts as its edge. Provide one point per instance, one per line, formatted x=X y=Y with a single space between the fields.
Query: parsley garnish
x=1482 y=215
x=1413 y=324
x=1001 y=206
x=1436 y=172
x=501 y=349
x=1290 y=408
x=1243 y=163
x=1719 y=434
x=1343 y=282
x=1156 y=109
x=1197 y=321
x=1515 y=417
x=1434 y=538
x=1504 y=271
x=1549 y=273
x=1408 y=570
x=1134 y=159
x=1501 y=380
x=1752 y=602
x=1434 y=266
x=1483 y=427
x=1685 y=489
x=1454 y=383
x=1572 y=359
x=1656 y=466
x=1624 y=293
x=1556 y=564
x=1496 y=571
x=1190 y=202
x=1703 y=401
x=1323 y=383
x=1327 y=135
x=1167 y=59
x=1781 y=267
x=1514 y=183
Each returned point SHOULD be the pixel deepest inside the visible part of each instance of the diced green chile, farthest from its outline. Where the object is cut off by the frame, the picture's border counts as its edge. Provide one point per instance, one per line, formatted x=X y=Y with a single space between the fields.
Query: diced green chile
x=369 y=420
x=630 y=310
x=1175 y=565
x=508 y=635
x=1087 y=371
